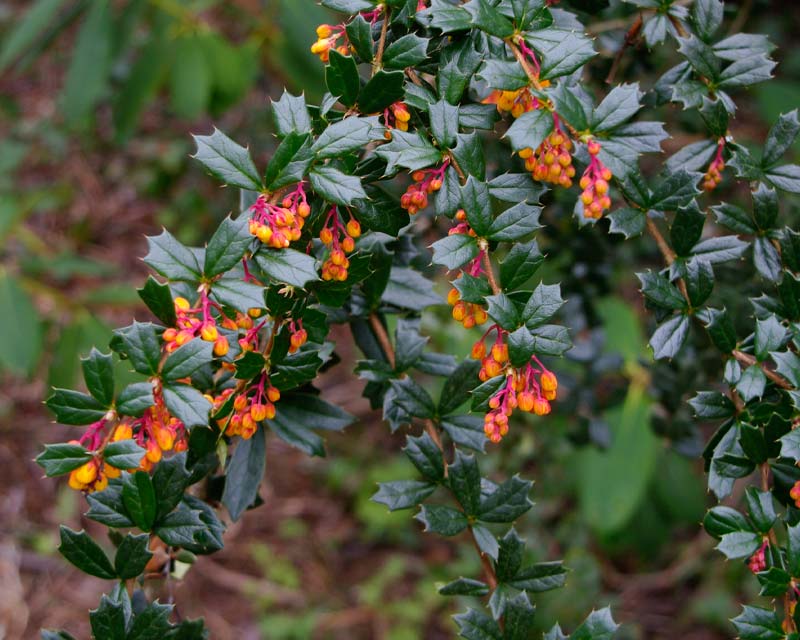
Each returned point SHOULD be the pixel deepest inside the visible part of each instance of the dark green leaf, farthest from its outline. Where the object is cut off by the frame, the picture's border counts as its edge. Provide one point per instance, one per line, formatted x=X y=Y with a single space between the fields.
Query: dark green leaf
x=108 y=620
x=187 y=359
x=686 y=229
x=780 y=138
x=227 y=160
x=74 y=407
x=134 y=399
x=106 y=507
x=244 y=475
x=426 y=456
x=139 y=499
x=669 y=337
x=476 y=625
x=403 y=494
x=660 y=291
x=187 y=404
x=227 y=245
x=142 y=344
x=515 y=223
x=721 y=520
x=171 y=259
x=755 y=623
x=336 y=187
x=407 y=51
x=465 y=587
x=761 y=509
x=739 y=544
x=61 y=458
x=291 y=114
x=520 y=264
x=446 y=521
x=454 y=250
x=79 y=548
x=349 y=134
x=123 y=454
x=530 y=129
x=384 y=88
x=158 y=299
x=711 y=405
x=132 y=556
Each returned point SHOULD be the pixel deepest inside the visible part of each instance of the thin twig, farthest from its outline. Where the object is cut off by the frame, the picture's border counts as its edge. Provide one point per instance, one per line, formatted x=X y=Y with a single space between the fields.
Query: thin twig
x=433 y=432
x=377 y=61
x=748 y=360
x=668 y=253
x=630 y=37
x=487 y=266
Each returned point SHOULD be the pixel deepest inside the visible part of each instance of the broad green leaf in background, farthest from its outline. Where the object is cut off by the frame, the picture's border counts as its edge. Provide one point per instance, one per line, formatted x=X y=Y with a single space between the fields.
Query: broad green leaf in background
x=612 y=483
x=20 y=328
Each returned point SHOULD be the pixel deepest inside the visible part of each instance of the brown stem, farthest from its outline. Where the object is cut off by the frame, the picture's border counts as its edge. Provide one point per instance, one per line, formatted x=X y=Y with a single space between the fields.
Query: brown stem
x=430 y=428
x=523 y=62
x=748 y=360
x=488 y=570
x=414 y=77
x=667 y=252
x=487 y=266
x=383 y=337
x=376 y=63
x=678 y=26
x=630 y=38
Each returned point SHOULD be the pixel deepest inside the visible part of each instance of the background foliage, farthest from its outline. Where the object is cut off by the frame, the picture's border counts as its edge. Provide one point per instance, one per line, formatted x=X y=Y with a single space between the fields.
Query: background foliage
x=642 y=550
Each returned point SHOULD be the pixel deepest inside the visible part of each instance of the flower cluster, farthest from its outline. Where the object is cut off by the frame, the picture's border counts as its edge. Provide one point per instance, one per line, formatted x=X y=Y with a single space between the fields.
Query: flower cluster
x=328 y=36
x=156 y=431
x=297 y=335
x=521 y=389
x=251 y=406
x=396 y=116
x=190 y=326
x=514 y=102
x=713 y=175
x=552 y=160
x=277 y=226
x=758 y=561
x=426 y=181
x=340 y=239
x=594 y=183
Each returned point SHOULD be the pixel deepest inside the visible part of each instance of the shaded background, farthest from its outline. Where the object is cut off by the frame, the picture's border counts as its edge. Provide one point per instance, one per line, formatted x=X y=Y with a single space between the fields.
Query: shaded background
x=97 y=100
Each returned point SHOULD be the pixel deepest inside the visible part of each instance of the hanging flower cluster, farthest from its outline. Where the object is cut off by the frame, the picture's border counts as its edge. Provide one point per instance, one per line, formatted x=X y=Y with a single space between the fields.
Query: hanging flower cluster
x=521 y=388
x=340 y=239
x=329 y=35
x=713 y=175
x=278 y=226
x=515 y=102
x=594 y=183
x=426 y=181
x=190 y=326
x=468 y=314
x=396 y=116
x=251 y=406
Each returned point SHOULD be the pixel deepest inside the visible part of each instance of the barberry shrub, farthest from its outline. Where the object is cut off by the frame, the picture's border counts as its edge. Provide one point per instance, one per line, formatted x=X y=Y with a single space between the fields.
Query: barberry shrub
x=449 y=124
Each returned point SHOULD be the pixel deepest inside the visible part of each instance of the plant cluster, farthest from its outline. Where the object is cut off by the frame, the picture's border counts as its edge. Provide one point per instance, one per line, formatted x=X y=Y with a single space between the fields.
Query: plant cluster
x=325 y=236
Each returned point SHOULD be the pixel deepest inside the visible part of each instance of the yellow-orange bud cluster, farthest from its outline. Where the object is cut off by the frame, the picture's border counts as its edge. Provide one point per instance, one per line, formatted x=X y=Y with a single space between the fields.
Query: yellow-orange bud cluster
x=340 y=240
x=713 y=175
x=190 y=326
x=426 y=182
x=552 y=161
x=92 y=476
x=327 y=38
x=397 y=116
x=594 y=183
x=467 y=313
x=278 y=226
x=248 y=410
x=515 y=102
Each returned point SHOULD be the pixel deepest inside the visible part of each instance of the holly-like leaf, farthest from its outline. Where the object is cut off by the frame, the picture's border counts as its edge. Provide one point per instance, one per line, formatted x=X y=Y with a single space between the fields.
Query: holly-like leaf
x=141 y=343
x=187 y=404
x=407 y=51
x=347 y=135
x=132 y=556
x=61 y=458
x=74 y=407
x=454 y=250
x=79 y=548
x=441 y=519
x=187 y=359
x=287 y=265
x=670 y=336
x=530 y=129
x=335 y=186
x=123 y=454
x=403 y=494
x=755 y=623
x=739 y=544
x=227 y=246
x=227 y=160
x=426 y=456
x=158 y=299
